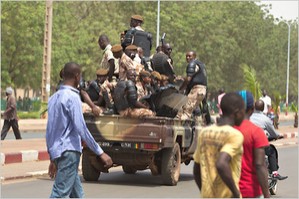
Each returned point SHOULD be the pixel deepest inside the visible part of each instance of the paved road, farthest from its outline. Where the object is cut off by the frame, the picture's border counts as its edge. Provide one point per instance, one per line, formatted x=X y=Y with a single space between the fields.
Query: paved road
x=142 y=185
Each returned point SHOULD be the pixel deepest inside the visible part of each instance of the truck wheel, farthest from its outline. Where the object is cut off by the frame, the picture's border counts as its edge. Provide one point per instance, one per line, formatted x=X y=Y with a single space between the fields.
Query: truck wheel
x=171 y=165
x=88 y=171
x=129 y=170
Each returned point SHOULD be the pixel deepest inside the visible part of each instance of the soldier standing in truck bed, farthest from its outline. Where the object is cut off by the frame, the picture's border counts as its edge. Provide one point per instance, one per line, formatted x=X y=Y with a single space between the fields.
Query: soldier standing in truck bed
x=125 y=62
x=137 y=36
x=108 y=61
x=162 y=62
x=195 y=85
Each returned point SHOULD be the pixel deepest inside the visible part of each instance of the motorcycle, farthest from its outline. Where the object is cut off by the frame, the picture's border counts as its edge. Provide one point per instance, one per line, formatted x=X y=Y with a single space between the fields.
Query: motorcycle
x=272 y=182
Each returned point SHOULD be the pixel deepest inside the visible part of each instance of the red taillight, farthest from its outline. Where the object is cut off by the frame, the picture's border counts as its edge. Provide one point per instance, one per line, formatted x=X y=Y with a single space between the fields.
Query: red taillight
x=149 y=146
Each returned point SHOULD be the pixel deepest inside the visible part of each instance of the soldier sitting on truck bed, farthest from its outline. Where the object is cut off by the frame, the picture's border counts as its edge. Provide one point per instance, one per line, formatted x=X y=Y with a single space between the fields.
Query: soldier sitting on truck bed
x=125 y=98
x=107 y=87
x=144 y=84
x=156 y=78
x=100 y=90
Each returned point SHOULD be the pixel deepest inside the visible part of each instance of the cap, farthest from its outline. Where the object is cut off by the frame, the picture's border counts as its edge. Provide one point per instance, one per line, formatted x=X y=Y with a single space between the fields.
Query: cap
x=156 y=74
x=102 y=72
x=137 y=17
x=247 y=97
x=144 y=73
x=9 y=90
x=131 y=47
x=116 y=48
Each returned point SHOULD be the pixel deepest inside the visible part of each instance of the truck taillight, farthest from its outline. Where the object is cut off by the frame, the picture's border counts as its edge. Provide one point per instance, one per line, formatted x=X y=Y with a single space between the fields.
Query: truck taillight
x=149 y=146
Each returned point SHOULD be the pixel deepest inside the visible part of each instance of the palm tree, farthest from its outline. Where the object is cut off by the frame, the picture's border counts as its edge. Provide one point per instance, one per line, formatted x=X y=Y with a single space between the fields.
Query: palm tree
x=251 y=83
x=294 y=108
x=275 y=105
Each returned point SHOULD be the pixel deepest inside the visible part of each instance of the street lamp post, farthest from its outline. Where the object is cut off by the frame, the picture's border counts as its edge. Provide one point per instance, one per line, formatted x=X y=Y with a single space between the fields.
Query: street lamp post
x=158 y=24
x=288 y=66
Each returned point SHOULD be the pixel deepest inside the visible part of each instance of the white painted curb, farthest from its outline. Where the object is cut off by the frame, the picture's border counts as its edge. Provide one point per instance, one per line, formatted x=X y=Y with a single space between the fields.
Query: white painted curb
x=29 y=155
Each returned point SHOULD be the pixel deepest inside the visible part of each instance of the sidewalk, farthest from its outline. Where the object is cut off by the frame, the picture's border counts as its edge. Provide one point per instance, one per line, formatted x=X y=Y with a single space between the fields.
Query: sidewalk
x=31 y=125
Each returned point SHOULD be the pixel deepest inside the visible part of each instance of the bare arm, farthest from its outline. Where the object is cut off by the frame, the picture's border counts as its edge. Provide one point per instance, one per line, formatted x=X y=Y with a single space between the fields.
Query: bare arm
x=261 y=170
x=197 y=174
x=185 y=83
x=225 y=173
x=95 y=110
x=111 y=69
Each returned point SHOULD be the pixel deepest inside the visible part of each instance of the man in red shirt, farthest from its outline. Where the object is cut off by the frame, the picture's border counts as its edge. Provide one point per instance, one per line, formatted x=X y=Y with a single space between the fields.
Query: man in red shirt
x=254 y=175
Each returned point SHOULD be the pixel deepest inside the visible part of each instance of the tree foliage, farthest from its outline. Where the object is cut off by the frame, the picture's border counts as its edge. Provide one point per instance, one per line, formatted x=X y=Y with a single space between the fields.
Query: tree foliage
x=225 y=35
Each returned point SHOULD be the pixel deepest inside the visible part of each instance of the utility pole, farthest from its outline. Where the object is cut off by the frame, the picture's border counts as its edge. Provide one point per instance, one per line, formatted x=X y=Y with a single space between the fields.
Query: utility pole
x=47 y=52
x=158 y=24
x=288 y=66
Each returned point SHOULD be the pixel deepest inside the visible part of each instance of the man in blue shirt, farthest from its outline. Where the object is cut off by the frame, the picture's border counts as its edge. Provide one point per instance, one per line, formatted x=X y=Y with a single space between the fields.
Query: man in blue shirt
x=66 y=129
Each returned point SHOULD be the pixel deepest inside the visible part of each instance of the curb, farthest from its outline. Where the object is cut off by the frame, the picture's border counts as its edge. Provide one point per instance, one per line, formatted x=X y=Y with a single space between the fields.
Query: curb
x=285 y=144
x=24 y=156
x=290 y=135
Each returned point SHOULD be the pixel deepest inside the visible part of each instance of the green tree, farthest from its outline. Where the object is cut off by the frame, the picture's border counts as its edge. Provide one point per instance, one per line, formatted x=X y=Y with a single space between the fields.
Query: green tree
x=21 y=43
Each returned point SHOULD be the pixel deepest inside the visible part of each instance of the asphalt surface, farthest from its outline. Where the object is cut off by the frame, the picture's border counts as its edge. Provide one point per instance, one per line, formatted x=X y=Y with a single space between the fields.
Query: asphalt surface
x=28 y=157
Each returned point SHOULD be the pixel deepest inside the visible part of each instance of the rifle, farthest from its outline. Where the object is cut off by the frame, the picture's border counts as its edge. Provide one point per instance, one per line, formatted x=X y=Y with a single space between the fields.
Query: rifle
x=163 y=38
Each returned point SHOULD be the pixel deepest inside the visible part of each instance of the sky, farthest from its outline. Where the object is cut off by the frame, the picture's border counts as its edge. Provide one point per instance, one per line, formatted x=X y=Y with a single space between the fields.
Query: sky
x=288 y=10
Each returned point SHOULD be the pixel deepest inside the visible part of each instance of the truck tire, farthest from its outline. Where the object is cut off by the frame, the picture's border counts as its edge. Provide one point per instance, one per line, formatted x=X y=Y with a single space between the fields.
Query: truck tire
x=88 y=171
x=171 y=165
x=129 y=170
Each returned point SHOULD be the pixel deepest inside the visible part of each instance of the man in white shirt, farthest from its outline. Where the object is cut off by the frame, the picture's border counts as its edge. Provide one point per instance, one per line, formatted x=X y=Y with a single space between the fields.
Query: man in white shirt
x=267 y=102
x=108 y=61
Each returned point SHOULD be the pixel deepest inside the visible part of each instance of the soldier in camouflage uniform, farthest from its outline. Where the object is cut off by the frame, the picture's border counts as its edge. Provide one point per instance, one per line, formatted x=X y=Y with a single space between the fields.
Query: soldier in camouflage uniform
x=131 y=51
x=195 y=85
x=106 y=89
x=144 y=84
x=125 y=98
x=125 y=62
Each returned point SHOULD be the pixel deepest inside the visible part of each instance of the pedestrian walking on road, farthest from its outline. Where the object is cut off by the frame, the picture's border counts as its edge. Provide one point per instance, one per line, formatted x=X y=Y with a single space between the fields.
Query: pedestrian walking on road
x=254 y=174
x=66 y=129
x=10 y=116
x=217 y=158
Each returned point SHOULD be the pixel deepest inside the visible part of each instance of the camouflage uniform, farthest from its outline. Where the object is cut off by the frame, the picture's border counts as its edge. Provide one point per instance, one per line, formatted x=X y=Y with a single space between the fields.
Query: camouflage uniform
x=141 y=91
x=137 y=113
x=125 y=63
x=107 y=87
x=195 y=97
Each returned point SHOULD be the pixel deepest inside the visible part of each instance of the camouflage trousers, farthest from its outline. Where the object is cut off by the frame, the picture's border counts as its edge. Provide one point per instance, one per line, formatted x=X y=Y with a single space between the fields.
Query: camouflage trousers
x=195 y=97
x=86 y=108
x=137 y=113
